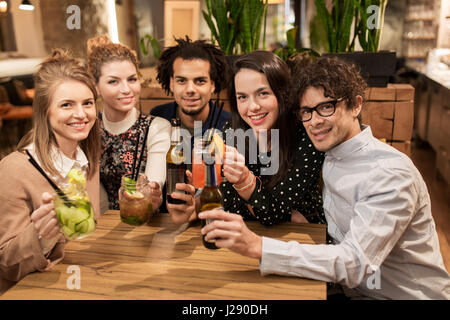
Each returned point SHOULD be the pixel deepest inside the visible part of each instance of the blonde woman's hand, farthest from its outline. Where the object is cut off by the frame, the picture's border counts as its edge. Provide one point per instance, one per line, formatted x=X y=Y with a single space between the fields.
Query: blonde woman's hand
x=46 y=223
x=44 y=218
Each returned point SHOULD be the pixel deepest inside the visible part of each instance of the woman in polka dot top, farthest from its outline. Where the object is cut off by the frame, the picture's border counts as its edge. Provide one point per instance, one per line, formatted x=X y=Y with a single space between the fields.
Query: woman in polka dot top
x=253 y=187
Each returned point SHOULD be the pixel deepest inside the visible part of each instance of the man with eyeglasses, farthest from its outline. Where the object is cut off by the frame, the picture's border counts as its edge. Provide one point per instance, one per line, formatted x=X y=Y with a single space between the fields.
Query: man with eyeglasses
x=376 y=203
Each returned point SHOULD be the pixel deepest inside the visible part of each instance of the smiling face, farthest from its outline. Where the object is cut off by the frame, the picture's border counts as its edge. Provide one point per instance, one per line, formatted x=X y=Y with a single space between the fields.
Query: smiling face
x=119 y=87
x=256 y=102
x=71 y=114
x=191 y=85
x=328 y=132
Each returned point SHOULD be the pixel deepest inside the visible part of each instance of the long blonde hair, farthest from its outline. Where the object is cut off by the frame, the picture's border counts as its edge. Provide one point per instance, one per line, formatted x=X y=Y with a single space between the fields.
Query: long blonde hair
x=57 y=68
x=101 y=50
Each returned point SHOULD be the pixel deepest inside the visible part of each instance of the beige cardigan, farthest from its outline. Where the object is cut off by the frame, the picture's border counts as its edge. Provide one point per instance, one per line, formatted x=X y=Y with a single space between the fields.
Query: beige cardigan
x=21 y=188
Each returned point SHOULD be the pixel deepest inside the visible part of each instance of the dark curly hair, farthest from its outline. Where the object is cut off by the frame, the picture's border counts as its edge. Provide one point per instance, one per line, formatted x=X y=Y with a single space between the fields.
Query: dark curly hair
x=338 y=78
x=278 y=76
x=189 y=50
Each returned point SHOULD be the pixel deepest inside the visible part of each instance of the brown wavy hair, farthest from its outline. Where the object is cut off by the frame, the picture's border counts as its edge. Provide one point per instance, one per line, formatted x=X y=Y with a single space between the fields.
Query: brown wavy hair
x=189 y=50
x=278 y=76
x=338 y=78
x=56 y=69
x=101 y=50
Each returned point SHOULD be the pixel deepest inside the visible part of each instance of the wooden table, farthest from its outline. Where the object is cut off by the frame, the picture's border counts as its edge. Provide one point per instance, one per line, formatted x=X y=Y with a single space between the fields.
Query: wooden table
x=164 y=261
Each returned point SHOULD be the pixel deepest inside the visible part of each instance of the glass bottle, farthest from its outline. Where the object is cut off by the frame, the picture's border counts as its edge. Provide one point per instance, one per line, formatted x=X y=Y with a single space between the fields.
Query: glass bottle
x=210 y=198
x=176 y=166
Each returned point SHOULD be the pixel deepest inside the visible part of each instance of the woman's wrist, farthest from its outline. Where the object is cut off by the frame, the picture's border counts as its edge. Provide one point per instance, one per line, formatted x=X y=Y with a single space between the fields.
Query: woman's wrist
x=245 y=183
x=246 y=186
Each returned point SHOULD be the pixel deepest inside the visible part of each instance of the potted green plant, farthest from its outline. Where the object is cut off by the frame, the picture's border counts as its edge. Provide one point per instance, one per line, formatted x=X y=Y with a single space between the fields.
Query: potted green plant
x=236 y=25
x=366 y=28
x=222 y=17
x=337 y=23
x=253 y=13
x=376 y=66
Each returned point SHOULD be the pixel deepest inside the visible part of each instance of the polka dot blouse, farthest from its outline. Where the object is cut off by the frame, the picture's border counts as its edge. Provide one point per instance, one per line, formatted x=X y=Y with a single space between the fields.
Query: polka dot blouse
x=299 y=190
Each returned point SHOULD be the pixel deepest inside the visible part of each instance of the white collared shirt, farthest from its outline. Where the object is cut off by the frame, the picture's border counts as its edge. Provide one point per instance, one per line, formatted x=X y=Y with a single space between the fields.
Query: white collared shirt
x=62 y=163
x=379 y=216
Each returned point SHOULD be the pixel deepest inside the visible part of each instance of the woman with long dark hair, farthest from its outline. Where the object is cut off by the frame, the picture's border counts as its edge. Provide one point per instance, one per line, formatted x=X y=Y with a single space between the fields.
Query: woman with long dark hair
x=260 y=102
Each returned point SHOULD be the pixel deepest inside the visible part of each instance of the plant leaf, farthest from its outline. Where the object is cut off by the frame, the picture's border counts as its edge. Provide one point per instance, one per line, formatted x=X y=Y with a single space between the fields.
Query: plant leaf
x=291 y=35
x=145 y=41
x=324 y=17
x=345 y=25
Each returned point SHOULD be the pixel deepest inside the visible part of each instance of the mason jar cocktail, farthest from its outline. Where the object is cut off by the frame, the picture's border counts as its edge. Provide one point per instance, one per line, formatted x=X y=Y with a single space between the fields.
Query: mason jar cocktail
x=75 y=212
x=135 y=200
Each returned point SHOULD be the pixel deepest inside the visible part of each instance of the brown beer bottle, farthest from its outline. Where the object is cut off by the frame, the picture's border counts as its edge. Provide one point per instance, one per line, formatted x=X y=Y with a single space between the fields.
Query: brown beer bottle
x=210 y=198
x=176 y=166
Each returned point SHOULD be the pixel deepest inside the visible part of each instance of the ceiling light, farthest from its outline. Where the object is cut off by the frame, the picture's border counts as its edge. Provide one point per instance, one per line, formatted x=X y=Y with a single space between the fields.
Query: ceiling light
x=26 y=5
x=3 y=6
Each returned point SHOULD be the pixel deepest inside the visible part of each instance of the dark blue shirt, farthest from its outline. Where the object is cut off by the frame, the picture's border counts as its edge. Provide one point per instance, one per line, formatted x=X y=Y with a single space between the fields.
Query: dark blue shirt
x=168 y=111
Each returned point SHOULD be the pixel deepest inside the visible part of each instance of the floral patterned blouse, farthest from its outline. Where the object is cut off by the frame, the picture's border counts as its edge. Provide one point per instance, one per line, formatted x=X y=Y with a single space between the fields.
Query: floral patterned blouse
x=117 y=156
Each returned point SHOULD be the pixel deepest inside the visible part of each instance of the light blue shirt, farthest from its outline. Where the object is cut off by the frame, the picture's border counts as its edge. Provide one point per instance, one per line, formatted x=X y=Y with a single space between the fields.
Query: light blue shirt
x=379 y=217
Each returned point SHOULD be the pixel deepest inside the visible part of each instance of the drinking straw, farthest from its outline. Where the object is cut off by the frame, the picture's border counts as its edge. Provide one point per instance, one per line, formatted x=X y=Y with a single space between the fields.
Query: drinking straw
x=141 y=154
x=54 y=186
x=135 y=153
x=212 y=115
x=216 y=121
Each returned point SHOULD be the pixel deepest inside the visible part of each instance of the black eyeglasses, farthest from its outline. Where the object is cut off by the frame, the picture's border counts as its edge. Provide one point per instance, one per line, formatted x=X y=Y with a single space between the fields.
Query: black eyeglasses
x=324 y=109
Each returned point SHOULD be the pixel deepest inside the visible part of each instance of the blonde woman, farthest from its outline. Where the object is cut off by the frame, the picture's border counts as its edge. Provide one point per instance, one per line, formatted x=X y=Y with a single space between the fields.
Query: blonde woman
x=115 y=70
x=65 y=135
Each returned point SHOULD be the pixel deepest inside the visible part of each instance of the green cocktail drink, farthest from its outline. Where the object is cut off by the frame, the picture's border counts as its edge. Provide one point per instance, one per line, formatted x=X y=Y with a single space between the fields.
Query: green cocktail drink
x=75 y=215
